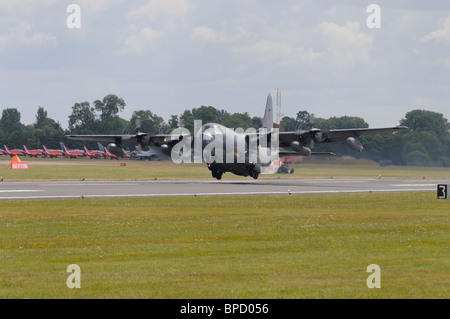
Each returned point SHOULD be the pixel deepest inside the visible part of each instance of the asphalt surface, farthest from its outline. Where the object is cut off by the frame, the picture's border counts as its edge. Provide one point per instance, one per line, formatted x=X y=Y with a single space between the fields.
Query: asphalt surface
x=152 y=188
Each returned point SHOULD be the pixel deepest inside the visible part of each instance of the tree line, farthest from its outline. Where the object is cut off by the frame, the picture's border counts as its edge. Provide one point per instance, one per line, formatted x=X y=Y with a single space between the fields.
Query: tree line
x=426 y=143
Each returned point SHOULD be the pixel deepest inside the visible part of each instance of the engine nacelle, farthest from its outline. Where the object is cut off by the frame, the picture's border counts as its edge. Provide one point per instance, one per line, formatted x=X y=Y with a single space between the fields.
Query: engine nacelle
x=116 y=150
x=354 y=144
x=166 y=149
x=300 y=149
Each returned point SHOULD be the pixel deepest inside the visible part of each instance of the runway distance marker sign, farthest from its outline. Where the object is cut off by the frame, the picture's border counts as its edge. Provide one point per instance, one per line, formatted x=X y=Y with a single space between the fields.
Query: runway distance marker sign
x=442 y=191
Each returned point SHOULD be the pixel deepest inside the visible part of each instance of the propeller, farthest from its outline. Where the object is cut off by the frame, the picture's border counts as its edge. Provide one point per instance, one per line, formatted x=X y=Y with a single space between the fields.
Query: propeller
x=312 y=121
x=141 y=137
x=315 y=133
x=138 y=125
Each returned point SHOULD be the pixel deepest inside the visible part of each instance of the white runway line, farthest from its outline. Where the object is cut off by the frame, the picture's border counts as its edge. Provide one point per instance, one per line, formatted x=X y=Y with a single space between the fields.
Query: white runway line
x=20 y=190
x=287 y=193
x=414 y=185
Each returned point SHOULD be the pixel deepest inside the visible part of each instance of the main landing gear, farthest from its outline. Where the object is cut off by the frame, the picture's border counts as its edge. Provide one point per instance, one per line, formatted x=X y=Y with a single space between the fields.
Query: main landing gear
x=253 y=173
x=216 y=173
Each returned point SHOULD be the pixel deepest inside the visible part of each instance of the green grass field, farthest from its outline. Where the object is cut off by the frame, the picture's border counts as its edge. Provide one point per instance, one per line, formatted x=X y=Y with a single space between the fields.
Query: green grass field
x=307 y=246
x=76 y=169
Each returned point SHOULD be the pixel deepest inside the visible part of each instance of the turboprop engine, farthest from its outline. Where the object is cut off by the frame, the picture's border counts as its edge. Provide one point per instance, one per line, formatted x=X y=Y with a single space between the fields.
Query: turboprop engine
x=300 y=149
x=354 y=144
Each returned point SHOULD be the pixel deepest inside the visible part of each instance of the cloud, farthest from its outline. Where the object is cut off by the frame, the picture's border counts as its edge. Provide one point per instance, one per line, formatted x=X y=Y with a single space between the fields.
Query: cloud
x=345 y=45
x=141 y=41
x=441 y=34
x=98 y=6
x=326 y=45
x=210 y=35
x=151 y=21
x=205 y=33
x=160 y=9
x=26 y=28
x=280 y=52
x=26 y=35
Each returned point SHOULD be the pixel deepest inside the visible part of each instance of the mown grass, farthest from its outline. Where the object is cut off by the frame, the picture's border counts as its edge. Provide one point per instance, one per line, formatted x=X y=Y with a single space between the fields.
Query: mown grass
x=75 y=169
x=314 y=246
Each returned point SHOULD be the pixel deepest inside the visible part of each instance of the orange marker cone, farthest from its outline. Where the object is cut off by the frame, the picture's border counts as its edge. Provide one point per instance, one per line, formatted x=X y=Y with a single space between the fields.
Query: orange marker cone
x=16 y=163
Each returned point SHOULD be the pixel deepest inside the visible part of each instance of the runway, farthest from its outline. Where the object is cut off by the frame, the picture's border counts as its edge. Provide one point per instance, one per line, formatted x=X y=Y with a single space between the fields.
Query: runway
x=249 y=187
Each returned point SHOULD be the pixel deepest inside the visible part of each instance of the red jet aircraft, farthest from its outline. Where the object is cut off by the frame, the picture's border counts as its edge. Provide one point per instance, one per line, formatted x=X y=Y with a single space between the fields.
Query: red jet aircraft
x=92 y=154
x=12 y=153
x=71 y=153
x=51 y=153
x=31 y=153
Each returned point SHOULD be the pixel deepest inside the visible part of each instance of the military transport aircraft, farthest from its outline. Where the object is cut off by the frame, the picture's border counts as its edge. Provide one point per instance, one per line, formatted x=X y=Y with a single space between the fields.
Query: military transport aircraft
x=241 y=153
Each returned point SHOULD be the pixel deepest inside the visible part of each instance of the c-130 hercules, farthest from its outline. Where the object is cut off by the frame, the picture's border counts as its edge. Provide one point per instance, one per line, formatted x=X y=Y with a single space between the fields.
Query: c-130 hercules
x=224 y=150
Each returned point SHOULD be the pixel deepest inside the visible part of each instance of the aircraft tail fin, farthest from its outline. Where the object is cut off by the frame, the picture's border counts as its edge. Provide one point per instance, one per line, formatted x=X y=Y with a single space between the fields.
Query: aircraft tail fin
x=267 y=121
x=101 y=147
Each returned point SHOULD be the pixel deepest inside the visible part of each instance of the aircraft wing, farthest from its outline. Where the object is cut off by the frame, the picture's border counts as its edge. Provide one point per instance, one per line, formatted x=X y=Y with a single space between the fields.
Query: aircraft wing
x=140 y=138
x=339 y=135
x=103 y=138
x=334 y=135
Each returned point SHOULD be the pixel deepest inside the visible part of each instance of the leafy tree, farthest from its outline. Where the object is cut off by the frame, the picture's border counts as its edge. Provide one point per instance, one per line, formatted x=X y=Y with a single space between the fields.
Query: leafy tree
x=221 y=116
x=41 y=118
x=12 y=130
x=346 y=122
x=422 y=121
x=149 y=122
x=47 y=136
x=383 y=147
x=303 y=120
x=288 y=124
x=110 y=106
x=187 y=121
x=113 y=125
x=82 y=120
x=173 y=123
x=257 y=122
x=10 y=121
x=238 y=120
x=417 y=158
x=207 y=114
x=44 y=131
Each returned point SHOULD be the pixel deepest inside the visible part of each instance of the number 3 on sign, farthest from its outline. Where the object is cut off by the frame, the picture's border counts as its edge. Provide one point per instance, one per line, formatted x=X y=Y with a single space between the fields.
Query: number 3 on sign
x=442 y=191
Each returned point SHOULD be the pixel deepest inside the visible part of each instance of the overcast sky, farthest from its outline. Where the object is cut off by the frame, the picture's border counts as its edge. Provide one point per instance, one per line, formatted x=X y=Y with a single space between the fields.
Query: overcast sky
x=172 y=55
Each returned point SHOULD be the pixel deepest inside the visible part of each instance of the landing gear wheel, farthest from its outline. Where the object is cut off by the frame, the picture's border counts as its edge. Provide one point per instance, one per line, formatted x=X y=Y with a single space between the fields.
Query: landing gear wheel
x=254 y=174
x=216 y=174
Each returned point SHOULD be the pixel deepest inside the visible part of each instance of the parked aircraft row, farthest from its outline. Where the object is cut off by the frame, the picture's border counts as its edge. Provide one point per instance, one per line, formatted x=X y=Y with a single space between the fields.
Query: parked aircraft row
x=103 y=152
